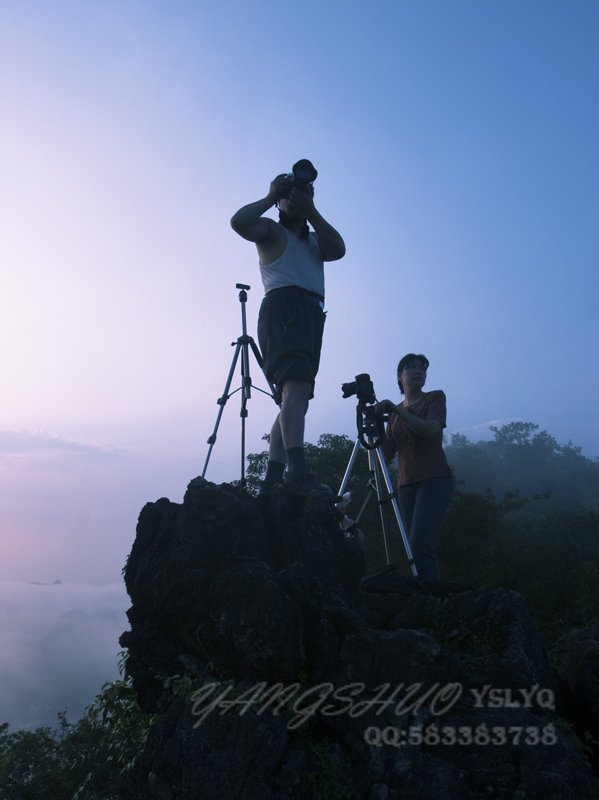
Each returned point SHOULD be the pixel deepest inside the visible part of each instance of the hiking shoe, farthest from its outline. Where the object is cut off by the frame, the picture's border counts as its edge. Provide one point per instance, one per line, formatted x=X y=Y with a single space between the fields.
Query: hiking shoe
x=265 y=489
x=301 y=484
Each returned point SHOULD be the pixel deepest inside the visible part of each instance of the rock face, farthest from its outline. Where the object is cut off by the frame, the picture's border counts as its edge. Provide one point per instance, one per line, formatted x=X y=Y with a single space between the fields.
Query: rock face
x=582 y=673
x=310 y=683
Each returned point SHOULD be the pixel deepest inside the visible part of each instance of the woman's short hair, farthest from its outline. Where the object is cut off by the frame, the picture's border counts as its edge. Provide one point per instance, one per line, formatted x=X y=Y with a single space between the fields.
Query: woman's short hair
x=405 y=362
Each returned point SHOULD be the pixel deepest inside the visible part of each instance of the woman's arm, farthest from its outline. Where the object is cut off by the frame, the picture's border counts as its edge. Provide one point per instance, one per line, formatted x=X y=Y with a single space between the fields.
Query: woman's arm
x=388 y=448
x=422 y=427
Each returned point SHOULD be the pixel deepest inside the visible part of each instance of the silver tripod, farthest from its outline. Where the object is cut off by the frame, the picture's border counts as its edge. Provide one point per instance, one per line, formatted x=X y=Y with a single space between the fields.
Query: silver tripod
x=242 y=347
x=370 y=441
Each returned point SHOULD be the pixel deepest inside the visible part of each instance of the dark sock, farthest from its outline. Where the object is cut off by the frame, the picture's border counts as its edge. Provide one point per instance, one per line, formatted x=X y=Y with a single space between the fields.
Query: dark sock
x=274 y=472
x=296 y=458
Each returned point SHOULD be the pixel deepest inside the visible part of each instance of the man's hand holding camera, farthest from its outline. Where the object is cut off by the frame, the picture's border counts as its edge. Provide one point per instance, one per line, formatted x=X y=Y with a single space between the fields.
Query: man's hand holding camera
x=283 y=187
x=278 y=188
x=302 y=203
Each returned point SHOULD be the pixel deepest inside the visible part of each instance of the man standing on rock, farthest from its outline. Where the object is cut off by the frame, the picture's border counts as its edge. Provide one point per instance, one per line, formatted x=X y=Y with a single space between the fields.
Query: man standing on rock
x=291 y=319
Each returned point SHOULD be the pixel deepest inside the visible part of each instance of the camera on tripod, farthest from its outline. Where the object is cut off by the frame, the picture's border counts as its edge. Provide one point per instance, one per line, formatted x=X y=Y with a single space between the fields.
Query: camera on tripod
x=371 y=433
x=362 y=387
x=370 y=424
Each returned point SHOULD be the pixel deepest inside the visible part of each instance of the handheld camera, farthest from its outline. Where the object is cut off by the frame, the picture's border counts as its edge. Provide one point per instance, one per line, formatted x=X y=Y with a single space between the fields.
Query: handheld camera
x=301 y=178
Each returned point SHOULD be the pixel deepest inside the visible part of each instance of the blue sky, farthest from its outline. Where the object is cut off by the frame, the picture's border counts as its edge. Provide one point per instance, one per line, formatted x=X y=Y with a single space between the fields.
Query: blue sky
x=456 y=144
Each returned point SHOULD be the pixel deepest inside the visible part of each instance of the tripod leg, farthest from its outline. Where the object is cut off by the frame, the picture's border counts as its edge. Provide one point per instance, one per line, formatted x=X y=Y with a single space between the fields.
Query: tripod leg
x=375 y=468
x=276 y=396
x=350 y=466
x=378 y=467
x=393 y=498
x=365 y=503
x=222 y=402
x=246 y=380
x=246 y=393
x=244 y=414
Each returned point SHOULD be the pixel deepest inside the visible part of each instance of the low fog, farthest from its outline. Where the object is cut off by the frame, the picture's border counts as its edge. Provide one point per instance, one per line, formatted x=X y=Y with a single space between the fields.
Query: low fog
x=58 y=645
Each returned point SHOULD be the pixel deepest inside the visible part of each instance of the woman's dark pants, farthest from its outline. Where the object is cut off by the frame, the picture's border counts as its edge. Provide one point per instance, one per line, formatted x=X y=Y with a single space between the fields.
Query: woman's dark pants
x=423 y=505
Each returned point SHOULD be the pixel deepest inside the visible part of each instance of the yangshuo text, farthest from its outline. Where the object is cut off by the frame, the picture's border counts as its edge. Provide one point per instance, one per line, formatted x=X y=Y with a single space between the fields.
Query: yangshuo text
x=302 y=703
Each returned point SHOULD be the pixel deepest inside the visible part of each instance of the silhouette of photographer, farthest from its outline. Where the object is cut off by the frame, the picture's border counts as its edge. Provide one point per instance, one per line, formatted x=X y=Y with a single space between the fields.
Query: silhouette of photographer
x=291 y=318
x=425 y=485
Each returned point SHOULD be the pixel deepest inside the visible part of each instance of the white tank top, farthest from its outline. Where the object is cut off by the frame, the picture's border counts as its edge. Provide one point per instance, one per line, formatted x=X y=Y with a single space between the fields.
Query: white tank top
x=300 y=264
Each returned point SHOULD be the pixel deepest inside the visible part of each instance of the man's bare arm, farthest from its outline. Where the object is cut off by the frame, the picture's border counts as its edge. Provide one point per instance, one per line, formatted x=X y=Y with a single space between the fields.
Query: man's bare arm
x=249 y=223
x=331 y=244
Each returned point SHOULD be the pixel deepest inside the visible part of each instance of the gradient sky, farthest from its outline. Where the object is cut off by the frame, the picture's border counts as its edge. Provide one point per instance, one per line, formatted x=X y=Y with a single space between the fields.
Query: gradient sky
x=457 y=149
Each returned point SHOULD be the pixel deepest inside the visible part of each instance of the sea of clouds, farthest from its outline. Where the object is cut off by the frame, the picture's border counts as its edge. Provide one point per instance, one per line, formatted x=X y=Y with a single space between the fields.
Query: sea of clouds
x=58 y=645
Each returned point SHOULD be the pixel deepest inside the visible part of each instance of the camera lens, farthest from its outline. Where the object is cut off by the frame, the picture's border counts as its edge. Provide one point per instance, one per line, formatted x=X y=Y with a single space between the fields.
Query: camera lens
x=348 y=389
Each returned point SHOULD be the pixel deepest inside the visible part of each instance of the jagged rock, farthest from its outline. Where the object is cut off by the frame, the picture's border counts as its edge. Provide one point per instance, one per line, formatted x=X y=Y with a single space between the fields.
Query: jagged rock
x=312 y=685
x=234 y=757
x=582 y=674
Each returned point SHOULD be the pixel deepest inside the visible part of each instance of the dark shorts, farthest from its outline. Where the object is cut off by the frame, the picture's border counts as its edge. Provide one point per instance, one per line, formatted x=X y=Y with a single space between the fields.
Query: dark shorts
x=290 y=327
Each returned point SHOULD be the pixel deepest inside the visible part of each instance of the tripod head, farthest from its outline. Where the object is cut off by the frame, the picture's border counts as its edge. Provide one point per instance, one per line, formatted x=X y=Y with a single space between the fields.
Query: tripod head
x=243 y=296
x=370 y=427
x=370 y=424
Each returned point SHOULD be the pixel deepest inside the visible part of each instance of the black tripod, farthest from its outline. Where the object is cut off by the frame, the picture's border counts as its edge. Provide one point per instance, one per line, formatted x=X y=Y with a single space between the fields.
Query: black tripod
x=369 y=437
x=242 y=345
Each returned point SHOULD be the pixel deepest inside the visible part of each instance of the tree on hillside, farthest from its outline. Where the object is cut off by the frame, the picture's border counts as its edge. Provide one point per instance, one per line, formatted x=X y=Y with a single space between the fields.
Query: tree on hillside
x=524 y=458
x=52 y=764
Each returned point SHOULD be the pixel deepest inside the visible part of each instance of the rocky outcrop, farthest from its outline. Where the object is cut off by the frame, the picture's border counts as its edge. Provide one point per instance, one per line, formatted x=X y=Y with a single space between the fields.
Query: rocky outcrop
x=582 y=674
x=311 y=683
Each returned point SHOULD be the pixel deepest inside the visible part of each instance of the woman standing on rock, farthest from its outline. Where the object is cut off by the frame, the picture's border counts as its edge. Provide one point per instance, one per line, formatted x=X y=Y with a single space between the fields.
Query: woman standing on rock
x=425 y=485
